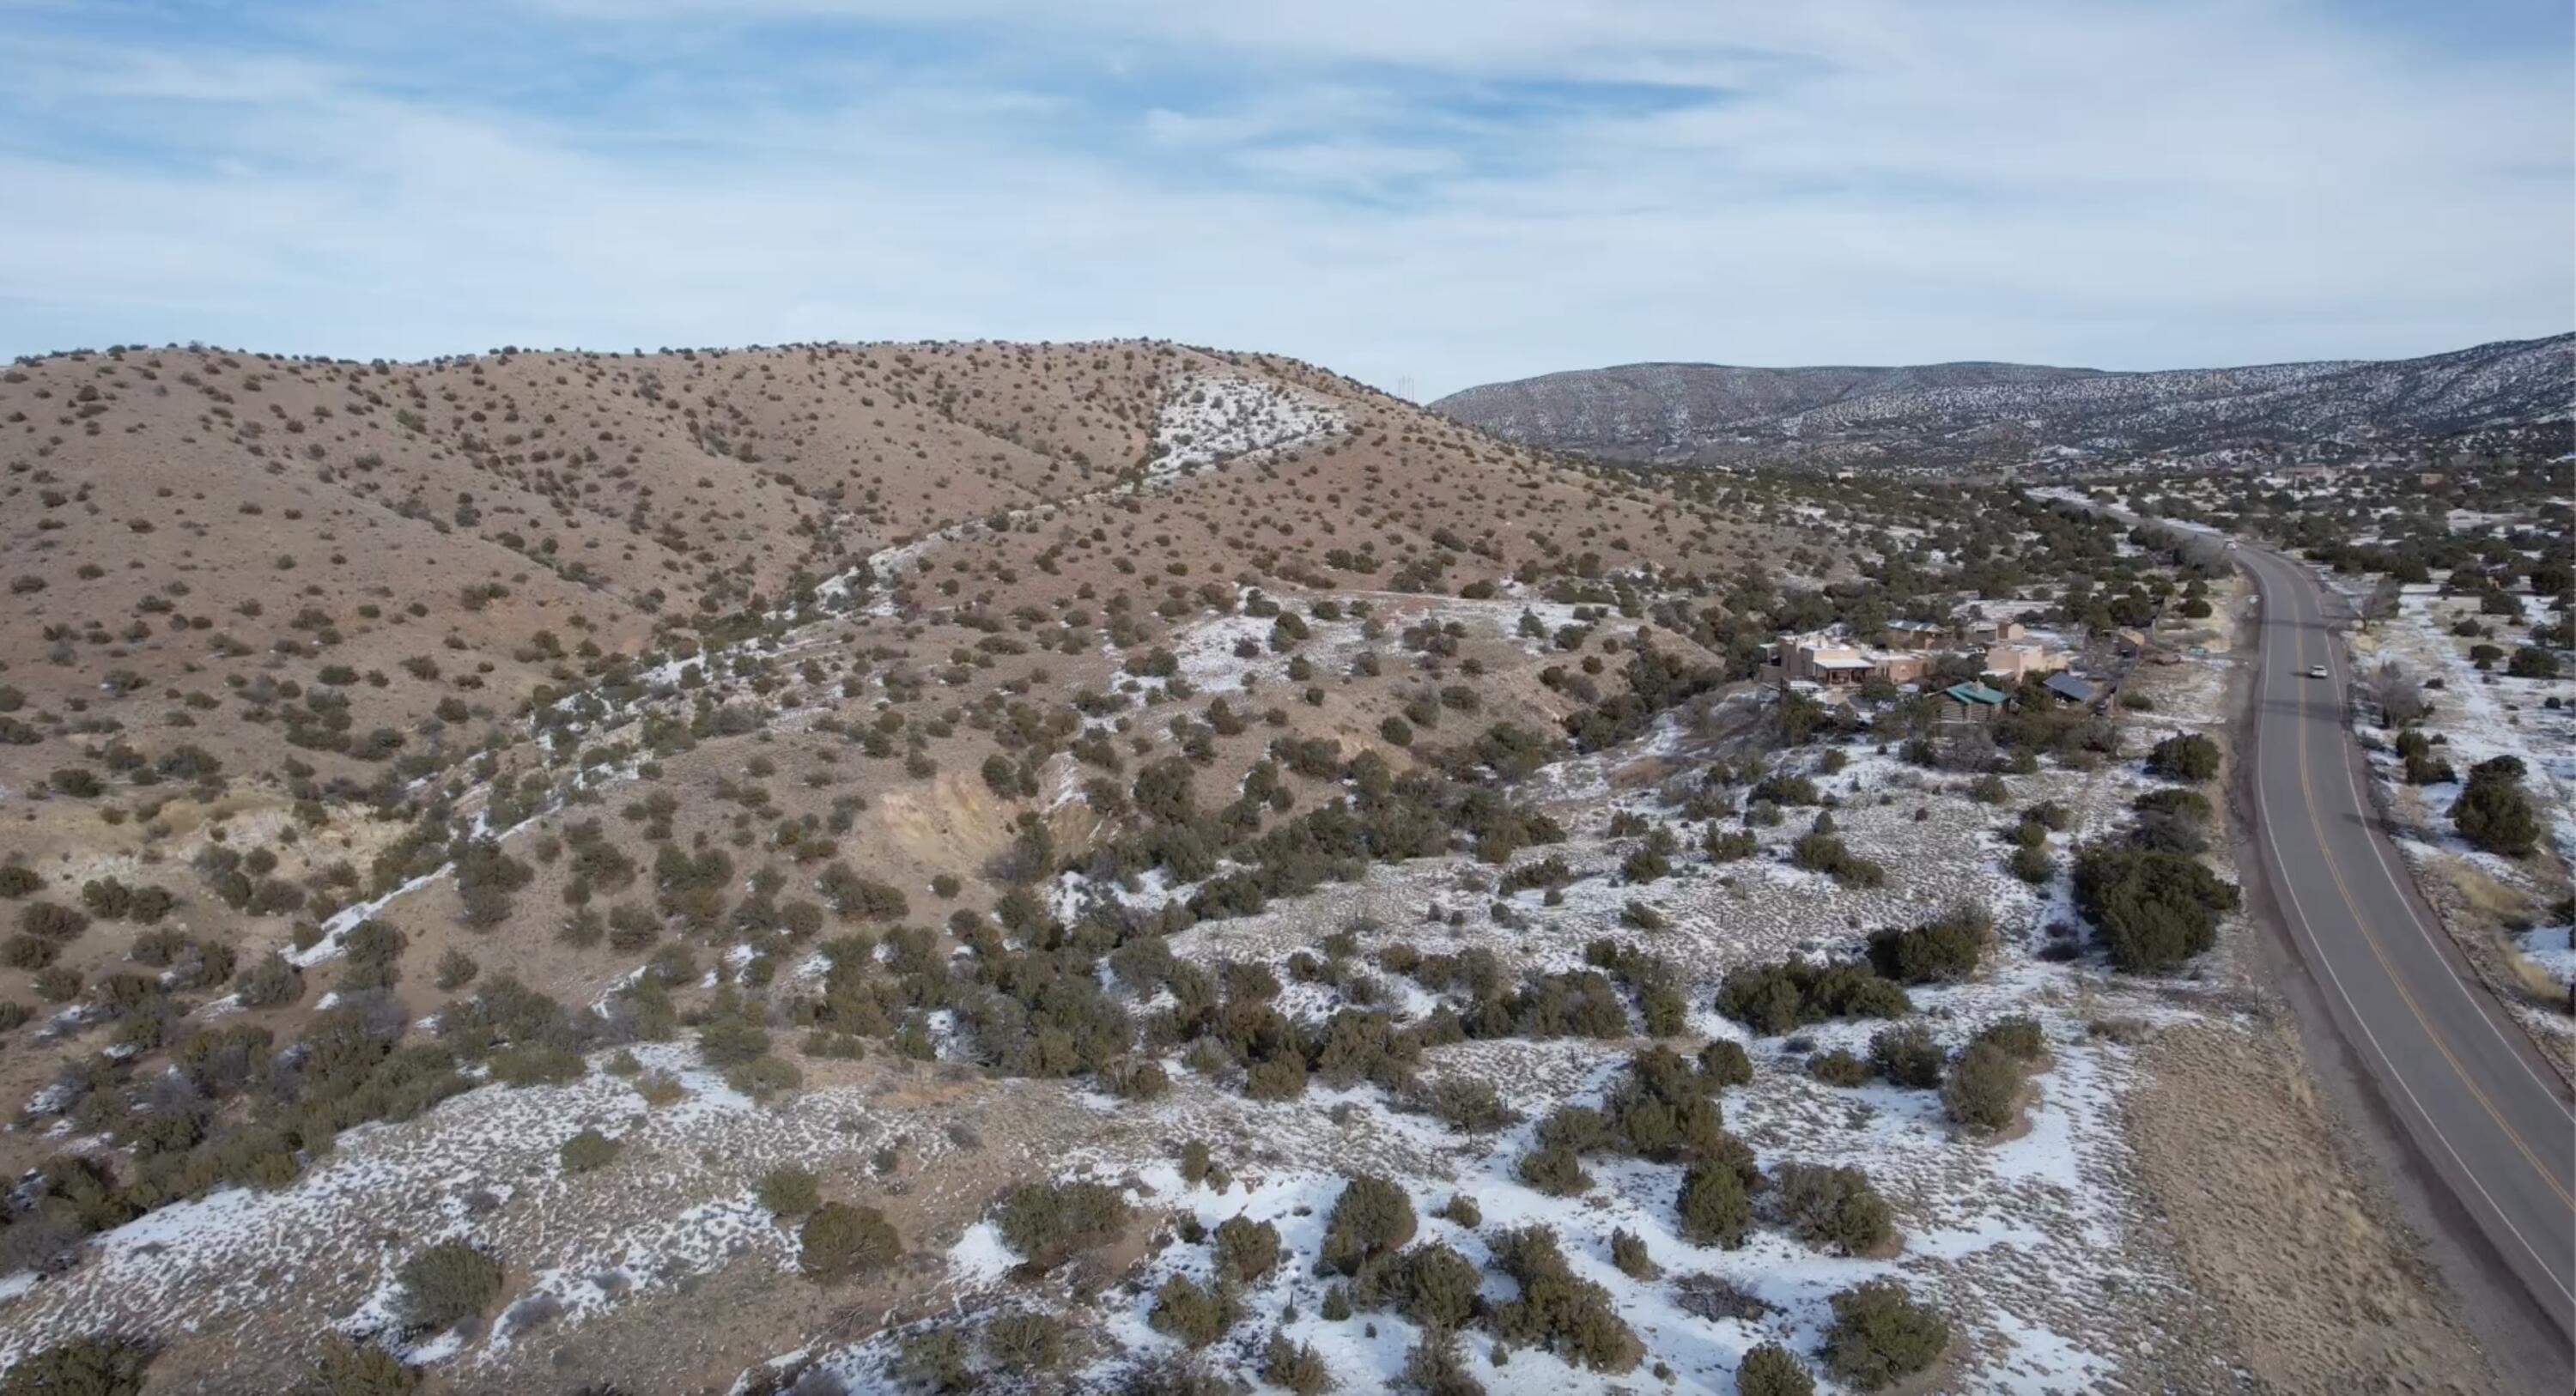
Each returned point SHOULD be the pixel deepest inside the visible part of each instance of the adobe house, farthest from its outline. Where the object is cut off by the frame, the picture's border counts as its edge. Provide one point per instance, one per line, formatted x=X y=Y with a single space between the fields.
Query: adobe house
x=1991 y=632
x=2022 y=658
x=1823 y=660
x=1829 y=661
x=1901 y=666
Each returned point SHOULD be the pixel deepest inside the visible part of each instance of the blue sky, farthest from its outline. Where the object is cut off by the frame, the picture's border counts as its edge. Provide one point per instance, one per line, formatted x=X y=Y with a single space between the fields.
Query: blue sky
x=1424 y=195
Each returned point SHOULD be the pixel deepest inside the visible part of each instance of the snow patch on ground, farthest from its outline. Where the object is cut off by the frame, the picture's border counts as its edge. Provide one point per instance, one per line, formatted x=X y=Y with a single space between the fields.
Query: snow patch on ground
x=1213 y=419
x=482 y=1167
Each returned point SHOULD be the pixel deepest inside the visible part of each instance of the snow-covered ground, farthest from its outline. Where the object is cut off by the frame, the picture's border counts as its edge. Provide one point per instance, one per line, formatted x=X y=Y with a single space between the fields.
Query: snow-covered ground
x=2479 y=715
x=2016 y=1239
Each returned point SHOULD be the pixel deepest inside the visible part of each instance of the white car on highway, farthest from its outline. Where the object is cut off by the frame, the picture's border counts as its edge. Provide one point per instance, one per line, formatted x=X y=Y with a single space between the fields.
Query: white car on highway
x=2316 y=671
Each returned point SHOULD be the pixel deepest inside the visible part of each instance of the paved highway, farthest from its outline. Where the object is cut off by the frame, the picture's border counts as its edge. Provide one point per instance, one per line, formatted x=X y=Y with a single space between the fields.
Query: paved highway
x=2485 y=1113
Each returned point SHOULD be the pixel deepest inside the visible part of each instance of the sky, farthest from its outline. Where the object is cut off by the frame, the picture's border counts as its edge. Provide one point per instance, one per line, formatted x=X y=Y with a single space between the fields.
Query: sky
x=1424 y=194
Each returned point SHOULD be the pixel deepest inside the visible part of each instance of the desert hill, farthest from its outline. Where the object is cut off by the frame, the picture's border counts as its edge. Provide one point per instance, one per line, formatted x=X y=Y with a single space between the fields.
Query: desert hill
x=1989 y=414
x=981 y=866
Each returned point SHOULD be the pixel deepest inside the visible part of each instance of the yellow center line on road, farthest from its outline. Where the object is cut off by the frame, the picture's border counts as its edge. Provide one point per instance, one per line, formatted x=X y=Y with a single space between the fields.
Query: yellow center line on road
x=2334 y=872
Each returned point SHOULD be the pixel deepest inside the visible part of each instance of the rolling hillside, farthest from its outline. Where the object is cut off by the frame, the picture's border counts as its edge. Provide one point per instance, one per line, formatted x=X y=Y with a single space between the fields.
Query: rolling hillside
x=1984 y=414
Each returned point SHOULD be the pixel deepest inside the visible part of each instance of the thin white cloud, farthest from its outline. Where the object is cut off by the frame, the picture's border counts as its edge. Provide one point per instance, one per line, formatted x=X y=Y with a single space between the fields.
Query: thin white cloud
x=1421 y=191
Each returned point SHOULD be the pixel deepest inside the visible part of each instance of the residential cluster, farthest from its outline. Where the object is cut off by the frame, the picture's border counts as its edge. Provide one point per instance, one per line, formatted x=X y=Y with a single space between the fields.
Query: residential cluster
x=1832 y=664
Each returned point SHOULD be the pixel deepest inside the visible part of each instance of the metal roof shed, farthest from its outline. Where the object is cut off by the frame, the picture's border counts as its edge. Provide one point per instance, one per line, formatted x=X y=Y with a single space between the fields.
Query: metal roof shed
x=2070 y=688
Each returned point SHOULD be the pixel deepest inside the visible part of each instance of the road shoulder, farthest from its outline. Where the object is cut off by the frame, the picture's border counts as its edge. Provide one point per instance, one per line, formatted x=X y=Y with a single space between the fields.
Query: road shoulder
x=2411 y=1225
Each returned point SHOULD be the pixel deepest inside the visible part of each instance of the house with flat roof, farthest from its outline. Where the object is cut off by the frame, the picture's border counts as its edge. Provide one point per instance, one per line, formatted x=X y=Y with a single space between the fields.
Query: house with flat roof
x=1831 y=661
x=2018 y=659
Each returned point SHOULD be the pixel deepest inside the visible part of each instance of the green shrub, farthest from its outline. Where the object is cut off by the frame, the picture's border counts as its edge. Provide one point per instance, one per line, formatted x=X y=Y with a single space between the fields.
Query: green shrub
x=1371 y=1218
x=1836 y=1066
x=1282 y=1077
x=269 y=981
x=1725 y=845
x=1048 y=1222
x=2190 y=758
x=1724 y=1063
x=1194 y=1313
x=2532 y=662
x=1769 y=1369
x=444 y=1285
x=1468 y=1104
x=588 y=1151
x=839 y=1241
x=1664 y=1109
x=1432 y=1367
x=1554 y=1170
x=1832 y=1209
x=1827 y=854
x=1432 y=1285
x=1907 y=1056
x=1628 y=1252
x=456 y=969
x=935 y=1359
x=1713 y=1206
x=1245 y=1249
x=2492 y=811
x=2019 y=1035
x=788 y=1191
x=51 y=921
x=347 y=1368
x=537 y=1066
x=1568 y=1316
x=102 y=1365
x=1025 y=1341
x=730 y=1040
x=764 y=1076
x=1779 y=998
x=1880 y=1336
x=2155 y=910
x=1295 y=1367
x=1982 y=1087
x=1942 y=951
x=2184 y=804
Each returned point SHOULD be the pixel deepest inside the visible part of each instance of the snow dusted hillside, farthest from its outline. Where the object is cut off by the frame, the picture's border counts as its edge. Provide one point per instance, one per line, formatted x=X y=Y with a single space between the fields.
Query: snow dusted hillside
x=2006 y=413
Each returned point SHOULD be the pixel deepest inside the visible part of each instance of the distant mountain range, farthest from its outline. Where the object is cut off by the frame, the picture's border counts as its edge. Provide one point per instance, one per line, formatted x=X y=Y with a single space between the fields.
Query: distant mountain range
x=1993 y=414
